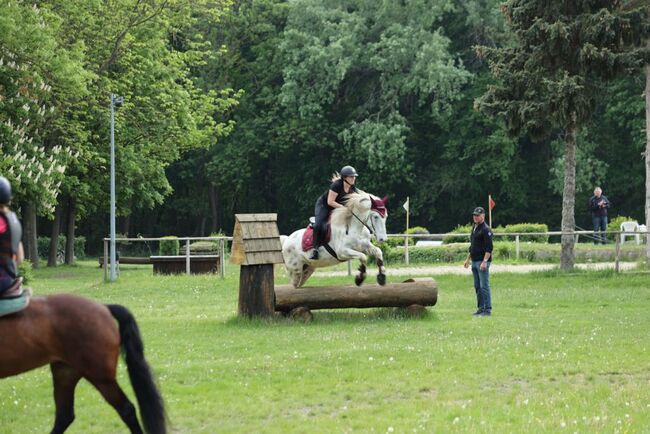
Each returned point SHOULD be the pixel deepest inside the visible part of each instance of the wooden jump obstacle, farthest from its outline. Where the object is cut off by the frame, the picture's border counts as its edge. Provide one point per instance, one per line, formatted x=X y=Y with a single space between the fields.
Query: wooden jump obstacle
x=256 y=247
x=413 y=294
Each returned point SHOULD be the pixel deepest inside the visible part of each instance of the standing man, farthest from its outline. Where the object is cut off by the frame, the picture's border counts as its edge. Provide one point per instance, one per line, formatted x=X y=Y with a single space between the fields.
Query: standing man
x=598 y=205
x=480 y=255
x=11 y=249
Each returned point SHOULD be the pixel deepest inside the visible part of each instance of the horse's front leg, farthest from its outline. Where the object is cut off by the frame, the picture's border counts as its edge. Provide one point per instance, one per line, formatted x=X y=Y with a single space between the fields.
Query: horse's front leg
x=363 y=259
x=377 y=253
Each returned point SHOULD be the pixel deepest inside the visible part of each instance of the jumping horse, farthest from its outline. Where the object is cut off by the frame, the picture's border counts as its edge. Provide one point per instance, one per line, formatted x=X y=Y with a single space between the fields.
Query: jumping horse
x=79 y=338
x=351 y=227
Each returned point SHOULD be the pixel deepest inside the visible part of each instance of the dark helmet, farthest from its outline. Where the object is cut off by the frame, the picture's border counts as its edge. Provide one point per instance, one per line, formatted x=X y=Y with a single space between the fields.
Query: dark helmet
x=348 y=171
x=5 y=191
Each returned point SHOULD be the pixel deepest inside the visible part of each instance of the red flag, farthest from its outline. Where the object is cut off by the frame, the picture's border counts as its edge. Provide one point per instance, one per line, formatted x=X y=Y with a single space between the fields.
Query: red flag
x=491 y=203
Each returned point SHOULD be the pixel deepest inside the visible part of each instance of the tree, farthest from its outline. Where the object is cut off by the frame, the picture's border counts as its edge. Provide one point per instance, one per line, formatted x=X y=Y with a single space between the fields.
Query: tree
x=34 y=66
x=550 y=78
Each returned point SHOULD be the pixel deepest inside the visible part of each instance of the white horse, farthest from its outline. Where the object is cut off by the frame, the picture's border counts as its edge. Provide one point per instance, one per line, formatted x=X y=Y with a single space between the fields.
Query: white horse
x=363 y=216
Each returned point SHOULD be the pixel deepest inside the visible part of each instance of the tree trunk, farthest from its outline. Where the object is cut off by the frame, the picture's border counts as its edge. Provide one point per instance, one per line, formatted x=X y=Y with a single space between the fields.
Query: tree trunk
x=647 y=155
x=567 y=258
x=423 y=292
x=69 y=241
x=54 y=240
x=30 y=236
x=214 y=206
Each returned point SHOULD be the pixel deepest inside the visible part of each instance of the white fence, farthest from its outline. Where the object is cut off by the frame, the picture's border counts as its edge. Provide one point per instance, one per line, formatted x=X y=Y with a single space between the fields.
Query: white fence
x=187 y=240
x=619 y=239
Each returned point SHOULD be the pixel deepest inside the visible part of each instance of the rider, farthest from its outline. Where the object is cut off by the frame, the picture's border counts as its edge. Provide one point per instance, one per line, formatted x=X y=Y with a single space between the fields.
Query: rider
x=333 y=198
x=11 y=249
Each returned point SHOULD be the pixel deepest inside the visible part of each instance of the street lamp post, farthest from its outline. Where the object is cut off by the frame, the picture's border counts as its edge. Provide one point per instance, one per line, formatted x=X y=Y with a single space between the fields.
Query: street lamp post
x=116 y=101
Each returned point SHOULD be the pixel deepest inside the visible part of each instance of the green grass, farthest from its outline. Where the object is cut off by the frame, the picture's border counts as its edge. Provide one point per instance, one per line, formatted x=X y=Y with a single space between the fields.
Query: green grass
x=561 y=353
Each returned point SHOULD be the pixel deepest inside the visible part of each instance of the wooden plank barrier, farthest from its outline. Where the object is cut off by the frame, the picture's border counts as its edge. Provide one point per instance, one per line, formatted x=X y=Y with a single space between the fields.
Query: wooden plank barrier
x=419 y=292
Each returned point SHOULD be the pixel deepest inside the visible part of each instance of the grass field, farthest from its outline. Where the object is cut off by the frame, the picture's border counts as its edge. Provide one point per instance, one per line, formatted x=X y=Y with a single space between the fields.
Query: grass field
x=561 y=353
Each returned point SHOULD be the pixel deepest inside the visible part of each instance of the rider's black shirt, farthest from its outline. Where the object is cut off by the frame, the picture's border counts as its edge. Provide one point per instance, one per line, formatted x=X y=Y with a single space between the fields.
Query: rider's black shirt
x=337 y=187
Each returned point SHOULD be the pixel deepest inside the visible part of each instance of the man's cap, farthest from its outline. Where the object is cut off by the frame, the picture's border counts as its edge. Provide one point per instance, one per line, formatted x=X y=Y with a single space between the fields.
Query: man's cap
x=478 y=210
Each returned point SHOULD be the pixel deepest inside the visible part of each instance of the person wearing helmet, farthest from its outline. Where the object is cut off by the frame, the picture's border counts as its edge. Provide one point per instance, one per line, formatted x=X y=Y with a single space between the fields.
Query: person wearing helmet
x=334 y=197
x=11 y=249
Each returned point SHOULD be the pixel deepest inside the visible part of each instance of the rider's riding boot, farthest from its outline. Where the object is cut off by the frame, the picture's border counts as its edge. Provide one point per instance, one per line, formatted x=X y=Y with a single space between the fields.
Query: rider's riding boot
x=314 y=254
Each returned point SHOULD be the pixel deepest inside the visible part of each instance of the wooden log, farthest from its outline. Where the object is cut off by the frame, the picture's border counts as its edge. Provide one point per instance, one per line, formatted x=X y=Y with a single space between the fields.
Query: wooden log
x=256 y=297
x=423 y=292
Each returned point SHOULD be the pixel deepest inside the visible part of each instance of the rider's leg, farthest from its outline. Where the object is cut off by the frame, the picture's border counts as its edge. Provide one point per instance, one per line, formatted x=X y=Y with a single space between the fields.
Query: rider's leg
x=321 y=213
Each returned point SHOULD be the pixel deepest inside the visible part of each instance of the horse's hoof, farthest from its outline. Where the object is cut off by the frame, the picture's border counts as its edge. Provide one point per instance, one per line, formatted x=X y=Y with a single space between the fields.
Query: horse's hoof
x=381 y=279
x=358 y=279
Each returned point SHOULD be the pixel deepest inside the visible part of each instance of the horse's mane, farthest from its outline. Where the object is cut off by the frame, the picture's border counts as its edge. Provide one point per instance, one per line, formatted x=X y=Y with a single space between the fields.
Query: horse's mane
x=341 y=216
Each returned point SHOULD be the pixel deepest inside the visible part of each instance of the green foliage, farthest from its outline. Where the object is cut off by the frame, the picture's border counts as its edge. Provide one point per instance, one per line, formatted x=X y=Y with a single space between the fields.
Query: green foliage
x=418 y=230
x=615 y=225
x=460 y=229
x=26 y=271
x=170 y=246
x=528 y=227
x=43 y=244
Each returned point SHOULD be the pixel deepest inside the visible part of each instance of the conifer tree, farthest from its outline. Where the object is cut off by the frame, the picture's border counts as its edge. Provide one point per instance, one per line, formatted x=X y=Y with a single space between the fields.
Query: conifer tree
x=549 y=80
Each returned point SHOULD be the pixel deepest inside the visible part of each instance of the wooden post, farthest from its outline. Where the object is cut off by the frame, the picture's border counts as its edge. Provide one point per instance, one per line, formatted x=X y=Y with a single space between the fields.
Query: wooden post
x=222 y=253
x=618 y=251
x=517 y=246
x=256 y=294
x=187 y=256
x=256 y=247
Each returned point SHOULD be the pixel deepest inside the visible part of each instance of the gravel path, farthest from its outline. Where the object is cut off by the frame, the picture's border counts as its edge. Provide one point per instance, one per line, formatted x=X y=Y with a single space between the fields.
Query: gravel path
x=458 y=269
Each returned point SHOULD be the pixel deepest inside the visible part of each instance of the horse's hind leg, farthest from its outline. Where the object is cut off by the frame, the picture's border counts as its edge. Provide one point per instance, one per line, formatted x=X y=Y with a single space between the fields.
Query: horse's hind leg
x=306 y=274
x=114 y=395
x=65 y=380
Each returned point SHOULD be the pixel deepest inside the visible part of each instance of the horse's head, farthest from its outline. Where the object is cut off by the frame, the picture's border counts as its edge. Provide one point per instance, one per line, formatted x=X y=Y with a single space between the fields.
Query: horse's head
x=378 y=216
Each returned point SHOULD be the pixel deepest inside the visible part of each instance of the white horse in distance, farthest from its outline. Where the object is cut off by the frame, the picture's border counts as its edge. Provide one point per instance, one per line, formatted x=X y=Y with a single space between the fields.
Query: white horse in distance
x=363 y=216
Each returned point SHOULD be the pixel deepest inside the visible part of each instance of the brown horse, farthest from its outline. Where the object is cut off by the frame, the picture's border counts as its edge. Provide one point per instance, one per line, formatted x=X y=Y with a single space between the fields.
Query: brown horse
x=78 y=338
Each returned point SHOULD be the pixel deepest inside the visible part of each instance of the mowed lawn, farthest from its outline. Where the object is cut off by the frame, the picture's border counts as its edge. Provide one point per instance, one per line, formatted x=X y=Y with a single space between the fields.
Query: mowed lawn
x=561 y=353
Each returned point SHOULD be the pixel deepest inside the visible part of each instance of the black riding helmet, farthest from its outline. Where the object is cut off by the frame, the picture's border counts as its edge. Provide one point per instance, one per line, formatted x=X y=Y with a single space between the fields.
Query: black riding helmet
x=5 y=191
x=348 y=171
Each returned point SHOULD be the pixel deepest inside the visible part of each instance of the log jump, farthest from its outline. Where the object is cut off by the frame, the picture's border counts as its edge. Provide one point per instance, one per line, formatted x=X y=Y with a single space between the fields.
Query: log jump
x=412 y=293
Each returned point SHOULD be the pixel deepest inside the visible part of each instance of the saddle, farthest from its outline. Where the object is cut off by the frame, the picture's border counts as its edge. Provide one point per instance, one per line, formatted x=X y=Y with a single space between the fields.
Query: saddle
x=15 y=298
x=308 y=236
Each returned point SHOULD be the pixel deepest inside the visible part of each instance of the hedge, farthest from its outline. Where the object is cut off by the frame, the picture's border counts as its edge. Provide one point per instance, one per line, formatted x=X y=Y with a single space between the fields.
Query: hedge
x=506 y=251
x=170 y=246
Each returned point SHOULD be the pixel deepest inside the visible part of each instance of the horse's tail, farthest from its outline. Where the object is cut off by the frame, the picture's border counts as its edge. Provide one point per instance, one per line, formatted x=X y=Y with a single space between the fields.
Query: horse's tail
x=152 y=407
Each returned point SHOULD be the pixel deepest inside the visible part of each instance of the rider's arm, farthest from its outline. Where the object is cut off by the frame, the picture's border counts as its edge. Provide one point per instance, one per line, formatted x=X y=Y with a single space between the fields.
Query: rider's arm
x=331 y=199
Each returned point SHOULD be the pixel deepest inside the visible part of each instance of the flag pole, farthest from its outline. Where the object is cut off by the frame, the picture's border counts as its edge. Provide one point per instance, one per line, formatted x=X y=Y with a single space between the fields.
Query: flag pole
x=490 y=208
x=406 y=239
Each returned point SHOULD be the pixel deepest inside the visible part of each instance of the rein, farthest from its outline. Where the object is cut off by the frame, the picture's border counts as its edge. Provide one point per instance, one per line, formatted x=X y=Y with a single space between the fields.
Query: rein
x=364 y=223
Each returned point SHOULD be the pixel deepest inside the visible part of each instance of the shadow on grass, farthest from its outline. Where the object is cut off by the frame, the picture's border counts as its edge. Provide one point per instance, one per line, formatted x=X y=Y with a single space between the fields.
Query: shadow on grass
x=348 y=316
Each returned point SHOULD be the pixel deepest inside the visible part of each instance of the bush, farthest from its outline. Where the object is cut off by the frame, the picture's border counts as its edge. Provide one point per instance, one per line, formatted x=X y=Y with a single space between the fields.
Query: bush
x=429 y=255
x=615 y=225
x=170 y=246
x=417 y=230
x=43 y=246
x=528 y=227
x=460 y=229
x=26 y=272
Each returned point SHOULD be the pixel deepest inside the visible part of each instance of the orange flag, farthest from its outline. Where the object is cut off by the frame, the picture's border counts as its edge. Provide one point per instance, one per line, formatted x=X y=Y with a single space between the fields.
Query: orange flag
x=491 y=203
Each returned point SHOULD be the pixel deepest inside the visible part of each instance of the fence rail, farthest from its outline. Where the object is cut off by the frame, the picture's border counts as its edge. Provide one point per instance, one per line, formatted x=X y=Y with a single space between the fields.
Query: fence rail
x=618 y=235
x=222 y=250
